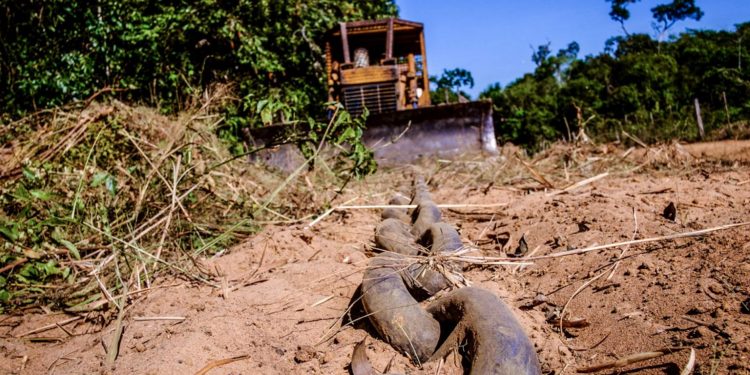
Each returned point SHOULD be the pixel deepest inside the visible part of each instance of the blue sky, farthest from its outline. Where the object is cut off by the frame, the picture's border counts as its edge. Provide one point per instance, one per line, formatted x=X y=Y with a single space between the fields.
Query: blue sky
x=493 y=38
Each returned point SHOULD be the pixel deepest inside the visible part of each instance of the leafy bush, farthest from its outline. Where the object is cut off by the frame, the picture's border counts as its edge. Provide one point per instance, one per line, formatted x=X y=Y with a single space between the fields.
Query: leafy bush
x=164 y=53
x=91 y=190
x=119 y=195
x=642 y=86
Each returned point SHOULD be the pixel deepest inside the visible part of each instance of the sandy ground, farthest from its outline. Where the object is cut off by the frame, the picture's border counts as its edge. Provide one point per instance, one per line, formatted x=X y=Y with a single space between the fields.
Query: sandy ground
x=286 y=288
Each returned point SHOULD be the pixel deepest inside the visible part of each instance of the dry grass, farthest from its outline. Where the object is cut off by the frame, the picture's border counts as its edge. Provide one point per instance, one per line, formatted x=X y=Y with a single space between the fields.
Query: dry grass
x=103 y=199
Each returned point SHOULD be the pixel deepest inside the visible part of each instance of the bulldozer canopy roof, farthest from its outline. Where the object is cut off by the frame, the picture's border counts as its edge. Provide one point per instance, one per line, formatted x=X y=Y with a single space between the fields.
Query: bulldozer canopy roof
x=372 y=36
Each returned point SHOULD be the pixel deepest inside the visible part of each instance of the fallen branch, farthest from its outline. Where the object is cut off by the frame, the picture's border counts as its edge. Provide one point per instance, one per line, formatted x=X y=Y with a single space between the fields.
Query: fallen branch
x=630 y=359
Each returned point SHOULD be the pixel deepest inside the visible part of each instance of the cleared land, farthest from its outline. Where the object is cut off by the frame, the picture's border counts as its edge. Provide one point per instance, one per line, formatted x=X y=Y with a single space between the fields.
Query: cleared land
x=284 y=290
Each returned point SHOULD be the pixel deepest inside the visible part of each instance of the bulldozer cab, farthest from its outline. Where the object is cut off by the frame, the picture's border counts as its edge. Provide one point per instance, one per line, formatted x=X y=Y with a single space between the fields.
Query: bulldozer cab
x=379 y=65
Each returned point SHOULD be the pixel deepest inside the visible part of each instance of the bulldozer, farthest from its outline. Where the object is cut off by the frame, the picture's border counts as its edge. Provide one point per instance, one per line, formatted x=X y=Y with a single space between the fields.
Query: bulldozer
x=380 y=67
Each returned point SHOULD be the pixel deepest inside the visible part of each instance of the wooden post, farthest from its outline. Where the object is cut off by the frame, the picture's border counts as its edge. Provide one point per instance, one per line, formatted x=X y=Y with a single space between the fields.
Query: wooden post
x=699 y=118
x=411 y=77
x=424 y=101
x=345 y=43
x=329 y=71
x=389 y=40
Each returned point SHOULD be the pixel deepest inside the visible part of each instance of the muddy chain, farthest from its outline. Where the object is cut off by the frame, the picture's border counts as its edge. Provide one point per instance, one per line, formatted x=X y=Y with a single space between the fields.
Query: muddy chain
x=403 y=274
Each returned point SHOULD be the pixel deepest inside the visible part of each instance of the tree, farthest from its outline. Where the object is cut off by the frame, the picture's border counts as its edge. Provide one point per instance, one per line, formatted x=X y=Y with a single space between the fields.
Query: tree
x=450 y=82
x=620 y=12
x=540 y=55
x=165 y=52
x=666 y=15
x=638 y=85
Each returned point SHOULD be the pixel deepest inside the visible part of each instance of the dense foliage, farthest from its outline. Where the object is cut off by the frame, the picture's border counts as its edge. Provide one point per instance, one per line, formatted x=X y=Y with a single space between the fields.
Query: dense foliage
x=640 y=85
x=80 y=181
x=163 y=53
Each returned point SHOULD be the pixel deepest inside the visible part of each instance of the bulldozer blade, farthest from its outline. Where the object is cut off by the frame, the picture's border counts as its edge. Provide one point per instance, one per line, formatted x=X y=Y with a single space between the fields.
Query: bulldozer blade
x=444 y=131
x=402 y=137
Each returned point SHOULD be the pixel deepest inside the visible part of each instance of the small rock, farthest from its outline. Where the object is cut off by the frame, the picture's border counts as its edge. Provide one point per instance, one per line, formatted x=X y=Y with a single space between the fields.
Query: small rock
x=304 y=235
x=324 y=358
x=694 y=311
x=702 y=331
x=745 y=306
x=304 y=353
x=522 y=248
x=670 y=212
x=139 y=347
x=583 y=226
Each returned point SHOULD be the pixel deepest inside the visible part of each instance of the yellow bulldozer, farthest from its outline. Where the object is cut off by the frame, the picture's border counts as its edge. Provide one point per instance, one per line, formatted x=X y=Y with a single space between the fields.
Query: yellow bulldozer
x=381 y=66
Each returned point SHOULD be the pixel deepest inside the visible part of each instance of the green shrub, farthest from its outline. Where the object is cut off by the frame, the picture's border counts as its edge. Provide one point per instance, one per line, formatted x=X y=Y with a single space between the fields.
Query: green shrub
x=164 y=53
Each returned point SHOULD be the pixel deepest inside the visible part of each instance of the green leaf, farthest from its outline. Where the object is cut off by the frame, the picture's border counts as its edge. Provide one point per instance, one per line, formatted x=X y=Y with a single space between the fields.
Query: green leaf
x=111 y=184
x=72 y=248
x=29 y=174
x=4 y=296
x=41 y=195
x=9 y=232
x=50 y=268
x=99 y=179
x=22 y=194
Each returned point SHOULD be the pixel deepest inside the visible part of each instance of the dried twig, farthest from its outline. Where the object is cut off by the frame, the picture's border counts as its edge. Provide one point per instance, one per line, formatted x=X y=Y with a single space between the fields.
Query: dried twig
x=114 y=346
x=627 y=247
x=221 y=362
x=345 y=207
x=538 y=177
x=151 y=318
x=531 y=253
x=579 y=290
x=579 y=184
x=13 y=264
x=589 y=249
x=50 y=326
x=630 y=359
x=688 y=369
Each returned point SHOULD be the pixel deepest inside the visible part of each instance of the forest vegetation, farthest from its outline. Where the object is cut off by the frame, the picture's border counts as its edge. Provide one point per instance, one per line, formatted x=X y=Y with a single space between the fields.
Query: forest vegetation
x=90 y=176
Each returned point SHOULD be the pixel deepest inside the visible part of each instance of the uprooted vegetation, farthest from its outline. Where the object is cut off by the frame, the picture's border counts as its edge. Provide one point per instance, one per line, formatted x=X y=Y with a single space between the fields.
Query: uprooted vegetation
x=286 y=289
x=98 y=197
